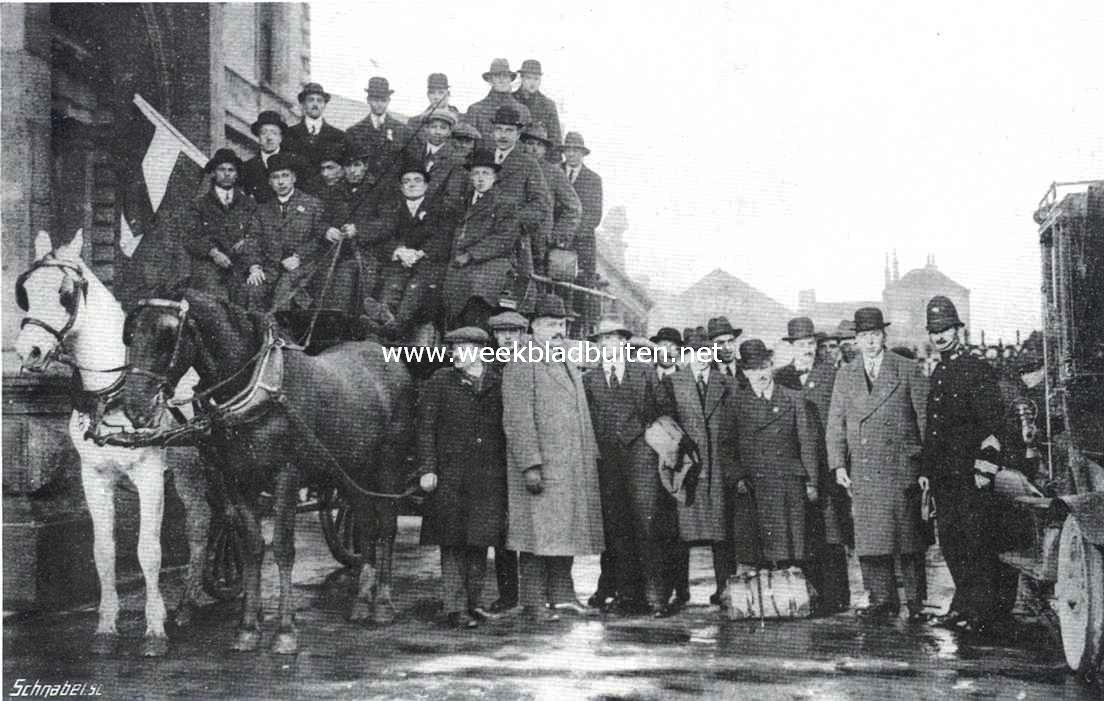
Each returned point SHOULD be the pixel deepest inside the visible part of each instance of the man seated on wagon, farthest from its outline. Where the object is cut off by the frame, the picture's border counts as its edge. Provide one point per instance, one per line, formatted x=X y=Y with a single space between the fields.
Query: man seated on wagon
x=464 y=139
x=436 y=152
x=218 y=237
x=290 y=230
x=563 y=219
x=483 y=246
x=342 y=294
x=420 y=239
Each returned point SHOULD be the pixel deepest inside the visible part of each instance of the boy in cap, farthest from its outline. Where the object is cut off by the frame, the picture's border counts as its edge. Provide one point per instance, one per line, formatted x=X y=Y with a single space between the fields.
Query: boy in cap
x=962 y=448
x=269 y=129
x=379 y=135
x=481 y=114
x=566 y=209
x=462 y=465
x=313 y=136
x=218 y=238
x=541 y=108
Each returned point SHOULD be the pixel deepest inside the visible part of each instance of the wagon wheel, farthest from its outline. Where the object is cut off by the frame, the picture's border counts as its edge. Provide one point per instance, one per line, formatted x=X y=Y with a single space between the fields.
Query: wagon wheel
x=1079 y=598
x=222 y=571
x=340 y=527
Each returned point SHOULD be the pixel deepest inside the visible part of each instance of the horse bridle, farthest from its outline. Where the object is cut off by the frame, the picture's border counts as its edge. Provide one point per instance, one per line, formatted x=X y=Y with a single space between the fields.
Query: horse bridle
x=73 y=275
x=181 y=309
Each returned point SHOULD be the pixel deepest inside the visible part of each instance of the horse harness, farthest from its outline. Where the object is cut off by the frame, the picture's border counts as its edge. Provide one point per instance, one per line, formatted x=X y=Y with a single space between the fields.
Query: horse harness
x=263 y=393
x=74 y=288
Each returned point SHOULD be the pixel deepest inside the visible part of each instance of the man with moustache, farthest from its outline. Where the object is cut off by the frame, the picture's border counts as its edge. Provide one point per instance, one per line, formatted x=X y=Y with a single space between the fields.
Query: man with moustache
x=962 y=448
x=826 y=564
x=269 y=129
x=313 y=136
x=555 y=510
x=875 y=423
x=637 y=512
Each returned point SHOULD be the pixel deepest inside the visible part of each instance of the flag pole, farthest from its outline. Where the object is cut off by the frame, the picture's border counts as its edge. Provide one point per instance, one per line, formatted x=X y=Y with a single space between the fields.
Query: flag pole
x=154 y=116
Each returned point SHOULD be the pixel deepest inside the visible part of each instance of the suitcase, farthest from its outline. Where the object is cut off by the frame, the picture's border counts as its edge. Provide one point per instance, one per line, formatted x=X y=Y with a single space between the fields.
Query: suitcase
x=760 y=594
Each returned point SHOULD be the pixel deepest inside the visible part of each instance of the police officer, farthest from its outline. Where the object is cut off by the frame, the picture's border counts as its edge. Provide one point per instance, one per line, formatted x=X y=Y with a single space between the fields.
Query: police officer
x=962 y=443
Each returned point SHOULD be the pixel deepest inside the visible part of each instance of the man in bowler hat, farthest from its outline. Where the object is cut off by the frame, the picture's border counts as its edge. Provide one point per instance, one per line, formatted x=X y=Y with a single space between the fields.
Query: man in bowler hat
x=965 y=428
x=481 y=114
x=379 y=135
x=722 y=333
x=875 y=424
x=541 y=108
x=588 y=186
x=814 y=378
x=269 y=128
x=313 y=136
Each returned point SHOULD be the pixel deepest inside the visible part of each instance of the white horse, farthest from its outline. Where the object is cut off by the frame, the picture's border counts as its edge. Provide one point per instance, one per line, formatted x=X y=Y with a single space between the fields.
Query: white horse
x=71 y=316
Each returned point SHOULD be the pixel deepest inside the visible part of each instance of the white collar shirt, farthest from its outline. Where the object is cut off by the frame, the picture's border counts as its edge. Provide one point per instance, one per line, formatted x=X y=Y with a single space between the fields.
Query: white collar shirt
x=873 y=365
x=314 y=126
x=413 y=205
x=617 y=368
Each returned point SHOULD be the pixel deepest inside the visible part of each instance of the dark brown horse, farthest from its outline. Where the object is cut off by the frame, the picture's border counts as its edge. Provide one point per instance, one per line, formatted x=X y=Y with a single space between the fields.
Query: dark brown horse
x=344 y=418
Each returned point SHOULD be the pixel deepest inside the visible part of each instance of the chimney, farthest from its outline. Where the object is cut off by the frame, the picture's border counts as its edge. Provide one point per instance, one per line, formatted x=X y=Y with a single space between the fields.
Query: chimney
x=896 y=270
x=887 y=278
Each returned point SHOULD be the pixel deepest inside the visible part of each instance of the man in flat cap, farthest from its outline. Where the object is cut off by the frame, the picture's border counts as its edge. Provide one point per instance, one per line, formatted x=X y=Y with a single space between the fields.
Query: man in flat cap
x=218 y=237
x=637 y=512
x=481 y=114
x=566 y=208
x=962 y=447
x=875 y=424
x=555 y=510
x=290 y=230
x=541 y=108
x=826 y=563
x=484 y=244
x=313 y=136
x=462 y=464
x=588 y=186
x=379 y=135
x=269 y=129
x=521 y=180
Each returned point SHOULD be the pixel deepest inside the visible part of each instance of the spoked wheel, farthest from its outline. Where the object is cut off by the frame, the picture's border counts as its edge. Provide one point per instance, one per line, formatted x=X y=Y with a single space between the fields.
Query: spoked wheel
x=1079 y=598
x=222 y=572
x=340 y=527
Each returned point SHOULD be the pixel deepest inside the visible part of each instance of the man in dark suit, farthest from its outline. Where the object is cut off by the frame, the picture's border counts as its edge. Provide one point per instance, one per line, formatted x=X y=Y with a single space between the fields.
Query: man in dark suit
x=483 y=246
x=875 y=423
x=269 y=129
x=725 y=337
x=588 y=185
x=826 y=565
x=313 y=136
x=218 y=237
x=437 y=154
x=379 y=135
x=522 y=181
x=965 y=425
x=291 y=232
x=541 y=108
x=563 y=220
x=481 y=114
x=637 y=513
x=668 y=342
x=421 y=238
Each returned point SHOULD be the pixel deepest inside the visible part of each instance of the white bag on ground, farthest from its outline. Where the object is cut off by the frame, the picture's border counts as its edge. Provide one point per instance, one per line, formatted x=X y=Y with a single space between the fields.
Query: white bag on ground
x=767 y=593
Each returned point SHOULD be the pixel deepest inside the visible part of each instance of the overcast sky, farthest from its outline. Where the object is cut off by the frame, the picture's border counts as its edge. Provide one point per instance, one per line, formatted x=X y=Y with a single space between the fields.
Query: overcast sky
x=790 y=143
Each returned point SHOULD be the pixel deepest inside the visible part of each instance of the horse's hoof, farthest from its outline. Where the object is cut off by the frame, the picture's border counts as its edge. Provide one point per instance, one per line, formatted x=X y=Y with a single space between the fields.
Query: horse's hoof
x=360 y=612
x=286 y=643
x=247 y=641
x=155 y=646
x=104 y=643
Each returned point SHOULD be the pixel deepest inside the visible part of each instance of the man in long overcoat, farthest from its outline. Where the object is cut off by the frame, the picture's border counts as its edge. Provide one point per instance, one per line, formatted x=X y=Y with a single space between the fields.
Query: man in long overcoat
x=829 y=518
x=481 y=114
x=218 y=237
x=777 y=469
x=876 y=421
x=638 y=514
x=462 y=463
x=555 y=508
x=700 y=400
x=588 y=186
x=965 y=419
x=541 y=107
x=563 y=219
x=483 y=246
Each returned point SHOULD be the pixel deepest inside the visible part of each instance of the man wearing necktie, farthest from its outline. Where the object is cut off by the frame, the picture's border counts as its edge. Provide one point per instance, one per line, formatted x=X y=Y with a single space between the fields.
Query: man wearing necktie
x=313 y=136
x=778 y=470
x=699 y=398
x=722 y=333
x=218 y=237
x=875 y=424
x=829 y=520
x=379 y=135
x=638 y=514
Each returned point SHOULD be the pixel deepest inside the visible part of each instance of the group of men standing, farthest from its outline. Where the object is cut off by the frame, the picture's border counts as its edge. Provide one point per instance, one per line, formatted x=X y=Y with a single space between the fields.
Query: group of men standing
x=437 y=218
x=794 y=465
